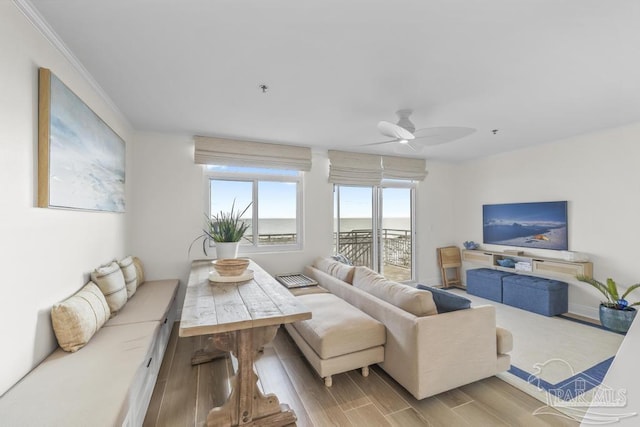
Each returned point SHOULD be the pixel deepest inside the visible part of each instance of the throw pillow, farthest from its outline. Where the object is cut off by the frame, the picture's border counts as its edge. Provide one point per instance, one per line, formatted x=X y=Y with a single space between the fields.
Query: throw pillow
x=130 y=276
x=341 y=258
x=76 y=319
x=409 y=299
x=110 y=280
x=139 y=271
x=336 y=269
x=446 y=301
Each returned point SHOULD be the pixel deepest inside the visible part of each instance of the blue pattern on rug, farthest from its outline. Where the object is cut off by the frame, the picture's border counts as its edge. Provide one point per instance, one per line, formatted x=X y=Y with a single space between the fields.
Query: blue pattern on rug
x=571 y=387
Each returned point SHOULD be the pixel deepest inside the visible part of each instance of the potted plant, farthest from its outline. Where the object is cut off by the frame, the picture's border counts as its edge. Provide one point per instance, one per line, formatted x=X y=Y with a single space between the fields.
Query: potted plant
x=225 y=229
x=615 y=313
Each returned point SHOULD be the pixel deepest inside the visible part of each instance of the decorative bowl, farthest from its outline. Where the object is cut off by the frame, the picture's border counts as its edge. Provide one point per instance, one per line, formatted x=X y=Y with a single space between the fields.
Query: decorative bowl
x=230 y=266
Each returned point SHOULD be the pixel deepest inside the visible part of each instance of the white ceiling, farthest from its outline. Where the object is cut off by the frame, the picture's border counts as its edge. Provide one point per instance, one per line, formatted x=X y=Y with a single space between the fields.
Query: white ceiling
x=537 y=70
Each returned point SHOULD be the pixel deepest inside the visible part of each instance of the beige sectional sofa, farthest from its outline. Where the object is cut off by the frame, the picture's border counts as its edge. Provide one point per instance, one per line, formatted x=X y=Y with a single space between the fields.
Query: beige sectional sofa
x=109 y=381
x=427 y=353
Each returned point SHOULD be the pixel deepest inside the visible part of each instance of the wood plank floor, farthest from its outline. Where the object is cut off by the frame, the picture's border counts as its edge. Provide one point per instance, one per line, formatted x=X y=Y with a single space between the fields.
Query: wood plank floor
x=184 y=394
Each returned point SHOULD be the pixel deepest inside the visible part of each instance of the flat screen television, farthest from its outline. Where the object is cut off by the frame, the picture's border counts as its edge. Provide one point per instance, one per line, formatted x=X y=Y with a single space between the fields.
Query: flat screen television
x=541 y=225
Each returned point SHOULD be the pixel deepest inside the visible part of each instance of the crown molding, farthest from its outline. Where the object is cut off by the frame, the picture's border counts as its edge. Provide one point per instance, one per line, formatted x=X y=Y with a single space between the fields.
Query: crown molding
x=38 y=21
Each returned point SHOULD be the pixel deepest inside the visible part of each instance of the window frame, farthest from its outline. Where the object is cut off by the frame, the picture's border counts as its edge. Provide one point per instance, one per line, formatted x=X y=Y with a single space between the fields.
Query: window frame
x=255 y=179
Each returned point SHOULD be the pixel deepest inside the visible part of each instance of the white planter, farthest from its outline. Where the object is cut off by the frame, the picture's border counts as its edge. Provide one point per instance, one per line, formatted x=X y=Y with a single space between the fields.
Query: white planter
x=226 y=250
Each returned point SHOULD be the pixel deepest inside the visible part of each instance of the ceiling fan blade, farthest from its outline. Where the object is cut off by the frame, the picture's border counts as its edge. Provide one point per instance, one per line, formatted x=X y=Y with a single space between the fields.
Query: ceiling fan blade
x=394 y=131
x=409 y=148
x=440 y=135
x=380 y=143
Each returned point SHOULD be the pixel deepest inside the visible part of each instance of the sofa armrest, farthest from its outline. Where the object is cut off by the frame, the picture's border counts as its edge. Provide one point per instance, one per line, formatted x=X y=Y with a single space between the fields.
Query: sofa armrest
x=455 y=348
x=504 y=340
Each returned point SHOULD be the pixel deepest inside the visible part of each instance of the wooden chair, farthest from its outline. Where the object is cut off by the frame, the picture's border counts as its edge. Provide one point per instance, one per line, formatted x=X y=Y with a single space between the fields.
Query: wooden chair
x=449 y=258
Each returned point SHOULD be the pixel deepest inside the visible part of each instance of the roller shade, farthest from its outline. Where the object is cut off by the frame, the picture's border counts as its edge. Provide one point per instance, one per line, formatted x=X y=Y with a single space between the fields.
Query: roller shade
x=354 y=168
x=230 y=152
x=404 y=168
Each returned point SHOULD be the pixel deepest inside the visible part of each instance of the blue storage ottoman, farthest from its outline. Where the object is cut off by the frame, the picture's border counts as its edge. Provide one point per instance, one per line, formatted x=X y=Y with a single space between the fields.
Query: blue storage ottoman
x=486 y=283
x=543 y=296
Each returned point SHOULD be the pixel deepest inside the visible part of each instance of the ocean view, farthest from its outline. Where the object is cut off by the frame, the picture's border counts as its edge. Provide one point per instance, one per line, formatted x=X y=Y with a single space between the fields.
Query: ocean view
x=288 y=225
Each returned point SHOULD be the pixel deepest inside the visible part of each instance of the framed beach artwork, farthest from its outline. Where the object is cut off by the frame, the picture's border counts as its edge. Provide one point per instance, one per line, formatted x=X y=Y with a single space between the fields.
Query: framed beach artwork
x=541 y=225
x=81 y=160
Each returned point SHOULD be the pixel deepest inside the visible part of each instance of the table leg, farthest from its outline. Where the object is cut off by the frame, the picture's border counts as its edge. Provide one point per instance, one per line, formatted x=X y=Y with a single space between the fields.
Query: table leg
x=247 y=406
x=207 y=354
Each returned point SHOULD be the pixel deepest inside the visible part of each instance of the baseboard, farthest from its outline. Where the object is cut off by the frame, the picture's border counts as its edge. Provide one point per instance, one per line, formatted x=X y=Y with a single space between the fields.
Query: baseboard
x=585 y=310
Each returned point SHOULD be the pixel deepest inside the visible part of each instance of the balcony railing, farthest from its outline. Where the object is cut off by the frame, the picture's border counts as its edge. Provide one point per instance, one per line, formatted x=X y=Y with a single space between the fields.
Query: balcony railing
x=357 y=246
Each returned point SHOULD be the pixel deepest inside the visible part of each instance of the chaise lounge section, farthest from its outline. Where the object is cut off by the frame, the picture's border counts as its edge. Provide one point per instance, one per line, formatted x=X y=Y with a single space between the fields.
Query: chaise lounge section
x=427 y=353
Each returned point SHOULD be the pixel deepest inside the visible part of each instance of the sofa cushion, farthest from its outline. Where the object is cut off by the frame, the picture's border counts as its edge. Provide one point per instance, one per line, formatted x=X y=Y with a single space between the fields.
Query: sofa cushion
x=337 y=327
x=412 y=300
x=110 y=280
x=446 y=301
x=335 y=268
x=150 y=303
x=341 y=258
x=76 y=319
x=130 y=276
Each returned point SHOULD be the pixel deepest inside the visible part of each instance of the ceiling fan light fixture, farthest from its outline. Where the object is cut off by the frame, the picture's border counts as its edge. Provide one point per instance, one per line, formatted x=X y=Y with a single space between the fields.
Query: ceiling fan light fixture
x=403 y=141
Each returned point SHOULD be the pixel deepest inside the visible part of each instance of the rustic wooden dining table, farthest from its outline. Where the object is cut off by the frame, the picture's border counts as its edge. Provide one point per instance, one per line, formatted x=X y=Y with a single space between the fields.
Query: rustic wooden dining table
x=241 y=318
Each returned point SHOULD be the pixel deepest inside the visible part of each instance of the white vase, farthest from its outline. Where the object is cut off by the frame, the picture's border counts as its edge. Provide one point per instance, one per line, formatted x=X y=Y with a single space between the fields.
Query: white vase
x=226 y=250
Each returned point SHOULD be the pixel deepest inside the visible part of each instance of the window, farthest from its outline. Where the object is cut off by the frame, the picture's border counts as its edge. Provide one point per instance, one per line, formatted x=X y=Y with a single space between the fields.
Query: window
x=374 y=226
x=275 y=195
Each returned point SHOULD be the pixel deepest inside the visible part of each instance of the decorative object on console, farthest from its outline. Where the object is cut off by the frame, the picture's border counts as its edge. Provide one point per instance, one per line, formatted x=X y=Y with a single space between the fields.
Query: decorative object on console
x=225 y=229
x=506 y=262
x=574 y=256
x=470 y=245
x=541 y=225
x=616 y=313
x=81 y=160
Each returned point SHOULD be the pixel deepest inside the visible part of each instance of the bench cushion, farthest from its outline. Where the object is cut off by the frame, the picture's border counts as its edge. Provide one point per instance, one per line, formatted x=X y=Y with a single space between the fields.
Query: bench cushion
x=151 y=302
x=88 y=387
x=337 y=327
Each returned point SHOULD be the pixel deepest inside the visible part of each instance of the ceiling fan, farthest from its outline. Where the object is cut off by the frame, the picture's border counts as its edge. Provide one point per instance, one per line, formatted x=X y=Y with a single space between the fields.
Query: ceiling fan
x=408 y=139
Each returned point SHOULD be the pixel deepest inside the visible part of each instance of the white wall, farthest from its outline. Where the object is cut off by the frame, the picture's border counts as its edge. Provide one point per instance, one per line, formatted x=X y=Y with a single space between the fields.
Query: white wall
x=435 y=223
x=169 y=201
x=595 y=173
x=46 y=253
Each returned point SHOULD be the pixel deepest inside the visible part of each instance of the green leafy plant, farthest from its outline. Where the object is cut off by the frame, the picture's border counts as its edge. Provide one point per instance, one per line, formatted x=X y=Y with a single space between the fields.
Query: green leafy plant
x=611 y=293
x=223 y=227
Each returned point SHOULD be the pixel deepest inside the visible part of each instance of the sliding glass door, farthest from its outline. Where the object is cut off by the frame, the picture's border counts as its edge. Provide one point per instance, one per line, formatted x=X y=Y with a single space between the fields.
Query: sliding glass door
x=373 y=227
x=396 y=233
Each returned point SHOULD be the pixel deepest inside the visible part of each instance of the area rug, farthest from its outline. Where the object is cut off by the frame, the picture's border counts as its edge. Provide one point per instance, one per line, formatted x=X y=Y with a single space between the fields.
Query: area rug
x=557 y=360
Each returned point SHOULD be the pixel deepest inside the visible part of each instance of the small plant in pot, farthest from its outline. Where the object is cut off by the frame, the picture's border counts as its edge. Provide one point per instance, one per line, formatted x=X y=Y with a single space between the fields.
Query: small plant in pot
x=615 y=313
x=226 y=229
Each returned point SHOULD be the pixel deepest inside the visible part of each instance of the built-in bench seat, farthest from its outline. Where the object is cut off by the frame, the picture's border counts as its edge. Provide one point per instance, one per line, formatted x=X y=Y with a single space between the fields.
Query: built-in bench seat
x=109 y=381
